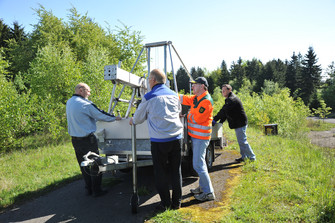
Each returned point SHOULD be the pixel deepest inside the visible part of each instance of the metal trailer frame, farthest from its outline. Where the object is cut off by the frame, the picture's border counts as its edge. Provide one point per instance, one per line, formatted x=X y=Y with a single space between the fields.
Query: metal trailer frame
x=139 y=85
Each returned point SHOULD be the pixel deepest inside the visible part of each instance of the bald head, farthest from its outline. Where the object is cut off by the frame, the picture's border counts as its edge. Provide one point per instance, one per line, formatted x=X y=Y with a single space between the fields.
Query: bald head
x=158 y=75
x=83 y=90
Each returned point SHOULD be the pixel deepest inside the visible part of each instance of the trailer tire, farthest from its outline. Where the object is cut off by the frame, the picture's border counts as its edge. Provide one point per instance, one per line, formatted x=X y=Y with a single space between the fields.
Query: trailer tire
x=209 y=156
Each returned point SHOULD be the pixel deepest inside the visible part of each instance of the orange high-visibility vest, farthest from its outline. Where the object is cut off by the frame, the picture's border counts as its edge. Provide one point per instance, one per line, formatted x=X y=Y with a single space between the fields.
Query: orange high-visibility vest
x=200 y=117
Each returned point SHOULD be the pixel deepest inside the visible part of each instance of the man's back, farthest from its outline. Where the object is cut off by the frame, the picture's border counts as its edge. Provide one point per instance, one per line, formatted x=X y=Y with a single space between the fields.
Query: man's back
x=161 y=107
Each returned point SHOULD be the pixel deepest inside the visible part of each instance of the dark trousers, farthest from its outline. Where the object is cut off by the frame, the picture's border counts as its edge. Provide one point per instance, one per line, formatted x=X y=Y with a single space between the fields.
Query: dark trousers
x=166 y=158
x=82 y=146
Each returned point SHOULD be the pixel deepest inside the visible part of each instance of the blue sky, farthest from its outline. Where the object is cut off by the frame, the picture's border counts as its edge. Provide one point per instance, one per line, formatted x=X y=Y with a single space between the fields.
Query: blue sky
x=207 y=32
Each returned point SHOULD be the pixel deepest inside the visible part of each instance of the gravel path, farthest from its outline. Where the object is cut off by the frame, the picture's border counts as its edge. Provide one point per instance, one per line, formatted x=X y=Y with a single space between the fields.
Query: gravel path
x=323 y=138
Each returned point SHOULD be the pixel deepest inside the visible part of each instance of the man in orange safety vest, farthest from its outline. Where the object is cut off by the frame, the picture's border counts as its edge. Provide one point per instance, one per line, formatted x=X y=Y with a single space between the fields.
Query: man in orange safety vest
x=199 y=121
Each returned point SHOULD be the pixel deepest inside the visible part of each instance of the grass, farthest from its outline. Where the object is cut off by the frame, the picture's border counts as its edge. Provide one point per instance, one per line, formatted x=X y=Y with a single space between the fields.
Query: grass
x=291 y=181
x=29 y=173
x=319 y=125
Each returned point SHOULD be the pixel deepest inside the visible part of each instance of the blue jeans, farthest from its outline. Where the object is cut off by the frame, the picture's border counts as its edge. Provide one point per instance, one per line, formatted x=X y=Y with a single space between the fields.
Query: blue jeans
x=245 y=148
x=199 y=164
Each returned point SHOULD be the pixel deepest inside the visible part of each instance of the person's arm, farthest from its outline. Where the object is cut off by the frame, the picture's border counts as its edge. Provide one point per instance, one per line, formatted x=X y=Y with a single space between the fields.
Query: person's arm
x=99 y=114
x=140 y=113
x=220 y=116
x=186 y=99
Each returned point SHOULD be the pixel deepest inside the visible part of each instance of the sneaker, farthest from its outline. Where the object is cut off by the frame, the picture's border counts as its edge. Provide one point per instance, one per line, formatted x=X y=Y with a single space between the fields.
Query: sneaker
x=205 y=197
x=196 y=190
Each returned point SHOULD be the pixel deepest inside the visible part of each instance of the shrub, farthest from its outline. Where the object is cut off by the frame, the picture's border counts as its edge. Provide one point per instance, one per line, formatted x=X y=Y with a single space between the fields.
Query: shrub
x=26 y=113
x=53 y=72
x=279 y=108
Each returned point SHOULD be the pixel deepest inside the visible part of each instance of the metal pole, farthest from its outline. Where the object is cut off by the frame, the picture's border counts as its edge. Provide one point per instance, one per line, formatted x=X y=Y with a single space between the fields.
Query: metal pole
x=132 y=69
x=189 y=75
x=174 y=76
x=133 y=149
x=148 y=62
x=123 y=87
x=130 y=102
x=165 y=68
x=163 y=43
x=112 y=99
x=134 y=199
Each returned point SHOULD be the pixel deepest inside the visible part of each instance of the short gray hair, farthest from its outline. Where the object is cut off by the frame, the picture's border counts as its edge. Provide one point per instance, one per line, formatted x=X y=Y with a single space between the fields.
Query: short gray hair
x=158 y=75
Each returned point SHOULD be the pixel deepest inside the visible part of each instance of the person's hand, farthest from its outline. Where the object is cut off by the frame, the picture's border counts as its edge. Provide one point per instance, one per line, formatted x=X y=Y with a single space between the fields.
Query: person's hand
x=118 y=118
x=131 y=121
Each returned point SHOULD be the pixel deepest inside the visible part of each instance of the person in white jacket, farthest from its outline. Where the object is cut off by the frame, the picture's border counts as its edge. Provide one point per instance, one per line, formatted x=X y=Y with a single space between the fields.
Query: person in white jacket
x=161 y=108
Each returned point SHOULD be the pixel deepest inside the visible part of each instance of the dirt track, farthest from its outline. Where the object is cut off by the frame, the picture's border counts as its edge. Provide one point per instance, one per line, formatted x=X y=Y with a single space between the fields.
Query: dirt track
x=69 y=204
x=323 y=138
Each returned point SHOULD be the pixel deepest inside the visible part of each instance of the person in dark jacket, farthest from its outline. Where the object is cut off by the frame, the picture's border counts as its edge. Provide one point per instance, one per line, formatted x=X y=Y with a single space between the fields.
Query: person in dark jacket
x=233 y=111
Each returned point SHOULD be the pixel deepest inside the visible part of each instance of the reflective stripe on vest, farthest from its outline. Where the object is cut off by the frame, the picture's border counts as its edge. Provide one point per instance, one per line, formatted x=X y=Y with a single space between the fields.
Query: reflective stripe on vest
x=191 y=118
x=202 y=134
x=200 y=126
x=181 y=97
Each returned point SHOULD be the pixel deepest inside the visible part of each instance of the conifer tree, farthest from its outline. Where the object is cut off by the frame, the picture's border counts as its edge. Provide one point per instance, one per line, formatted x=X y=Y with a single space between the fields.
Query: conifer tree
x=310 y=78
x=237 y=72
x=225 y=75
x=4 y=34
x=183 y=80
x=294 y=69
x=329 y=90
x=253 y=73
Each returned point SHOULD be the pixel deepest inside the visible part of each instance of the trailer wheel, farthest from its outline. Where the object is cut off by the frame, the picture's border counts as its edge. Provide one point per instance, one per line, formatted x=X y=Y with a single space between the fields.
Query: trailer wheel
x=210 y=156
x=134 y=203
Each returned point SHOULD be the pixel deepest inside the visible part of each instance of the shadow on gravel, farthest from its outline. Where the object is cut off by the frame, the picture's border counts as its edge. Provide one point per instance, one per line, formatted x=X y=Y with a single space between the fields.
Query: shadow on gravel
x=226 y=166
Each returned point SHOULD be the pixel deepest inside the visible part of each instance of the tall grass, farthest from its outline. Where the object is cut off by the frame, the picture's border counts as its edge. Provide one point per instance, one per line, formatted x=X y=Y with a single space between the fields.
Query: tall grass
x=292 y=181
x=29 y=173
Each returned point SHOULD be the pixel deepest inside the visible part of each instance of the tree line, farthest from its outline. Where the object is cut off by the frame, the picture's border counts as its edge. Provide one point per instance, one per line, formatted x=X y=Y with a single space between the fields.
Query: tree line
x=302 y=75
x=39 y=70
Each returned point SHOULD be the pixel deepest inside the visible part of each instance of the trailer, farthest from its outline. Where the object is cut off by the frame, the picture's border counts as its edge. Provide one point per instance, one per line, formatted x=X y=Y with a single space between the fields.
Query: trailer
x=123 y=146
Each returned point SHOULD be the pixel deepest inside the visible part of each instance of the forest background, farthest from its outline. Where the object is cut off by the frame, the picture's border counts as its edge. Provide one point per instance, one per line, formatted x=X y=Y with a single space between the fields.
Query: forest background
x=39 y=70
